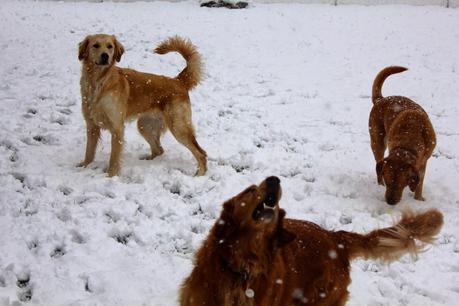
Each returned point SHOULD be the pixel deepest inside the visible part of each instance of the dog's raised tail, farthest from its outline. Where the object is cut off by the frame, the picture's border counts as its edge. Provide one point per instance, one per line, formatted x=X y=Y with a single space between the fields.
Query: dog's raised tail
x=389 y=244
x=191 y=75
x=381 y=77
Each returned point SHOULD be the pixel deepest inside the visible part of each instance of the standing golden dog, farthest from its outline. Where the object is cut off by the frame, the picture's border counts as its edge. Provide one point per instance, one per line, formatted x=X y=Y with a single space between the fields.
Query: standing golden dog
x=112 y=95
x=253 y=256
x=404 y=127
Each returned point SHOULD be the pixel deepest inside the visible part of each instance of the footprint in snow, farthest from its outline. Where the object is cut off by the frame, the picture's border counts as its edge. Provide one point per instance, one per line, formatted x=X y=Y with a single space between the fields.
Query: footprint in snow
x=30 y=113
x=40 y=139
x=61 y=120
x=65 y=111
x=45 y=139
x=58 y=252
x=24 y=287
x=326 y=147
x=23 y=279
x=87 y=286
x=122 y=237
x=111 y=216
x=33 y=245
x=64 y=215
x=173 y=188
x=77 y=237
x=344 y=219
x=14 y=151
x=25 y=295
x=65 y=190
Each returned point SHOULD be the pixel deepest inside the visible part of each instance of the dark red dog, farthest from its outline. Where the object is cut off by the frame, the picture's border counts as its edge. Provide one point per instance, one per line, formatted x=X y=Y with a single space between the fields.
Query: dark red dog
x=402 y=126
x=255 y=257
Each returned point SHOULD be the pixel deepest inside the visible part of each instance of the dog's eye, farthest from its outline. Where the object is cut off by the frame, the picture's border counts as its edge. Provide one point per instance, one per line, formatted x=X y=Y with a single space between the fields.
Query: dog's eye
x=96 y=46
x=109 y=46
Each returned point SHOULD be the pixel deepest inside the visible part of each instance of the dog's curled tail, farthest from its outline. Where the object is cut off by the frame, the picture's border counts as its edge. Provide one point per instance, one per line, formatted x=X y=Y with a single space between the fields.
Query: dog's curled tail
x=391 y=243
x=191 y=75
x=381 y=77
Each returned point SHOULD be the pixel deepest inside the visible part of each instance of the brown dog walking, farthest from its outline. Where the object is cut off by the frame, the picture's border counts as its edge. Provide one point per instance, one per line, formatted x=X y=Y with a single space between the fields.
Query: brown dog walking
x=113 y=95
x=402 y=126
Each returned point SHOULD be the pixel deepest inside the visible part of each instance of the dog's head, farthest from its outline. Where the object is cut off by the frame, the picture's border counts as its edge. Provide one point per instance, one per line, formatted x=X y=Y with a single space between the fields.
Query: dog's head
x=100 y=50
x=250 y=228
x=396 y=175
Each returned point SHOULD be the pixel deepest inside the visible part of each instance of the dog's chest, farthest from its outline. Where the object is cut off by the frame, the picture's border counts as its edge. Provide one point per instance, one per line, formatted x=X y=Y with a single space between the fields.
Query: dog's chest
x=90 y=91
x=93 y=99
x=239 y=297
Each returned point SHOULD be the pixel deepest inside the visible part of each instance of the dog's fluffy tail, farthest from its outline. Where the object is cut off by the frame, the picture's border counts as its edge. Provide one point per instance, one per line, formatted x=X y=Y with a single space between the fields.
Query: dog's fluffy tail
x=390 y=243
x=191 y=75
x=381 y=77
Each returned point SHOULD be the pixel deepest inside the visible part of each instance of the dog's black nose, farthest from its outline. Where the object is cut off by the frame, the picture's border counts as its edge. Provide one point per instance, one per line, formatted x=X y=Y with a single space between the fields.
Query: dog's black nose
x=104 y=58
x=391 y=201
x=272 y=181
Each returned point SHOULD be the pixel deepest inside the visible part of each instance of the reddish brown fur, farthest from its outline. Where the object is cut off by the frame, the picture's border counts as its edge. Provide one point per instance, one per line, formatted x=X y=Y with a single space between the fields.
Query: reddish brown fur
x=402 y=126
x=112 y=95
x=289 y=262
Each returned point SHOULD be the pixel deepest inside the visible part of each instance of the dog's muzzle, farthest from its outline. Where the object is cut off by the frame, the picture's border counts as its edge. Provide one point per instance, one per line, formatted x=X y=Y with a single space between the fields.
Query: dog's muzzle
x=104 y=59
x=265 y=210
x=272 y=190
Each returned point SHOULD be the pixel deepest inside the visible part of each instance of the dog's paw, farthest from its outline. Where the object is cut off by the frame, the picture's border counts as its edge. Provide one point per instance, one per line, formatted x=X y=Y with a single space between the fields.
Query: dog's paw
x=150 y=156
x=112 y=171
x=419 y=198
x=200 y=172
x=82 y=164
x=146 y=157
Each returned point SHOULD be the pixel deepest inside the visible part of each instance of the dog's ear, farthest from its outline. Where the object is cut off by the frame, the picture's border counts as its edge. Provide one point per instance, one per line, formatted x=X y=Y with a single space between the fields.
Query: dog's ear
x=119 y=50
x=414 y=179
x=83 y=49
x=282 y=214
x=283 y=236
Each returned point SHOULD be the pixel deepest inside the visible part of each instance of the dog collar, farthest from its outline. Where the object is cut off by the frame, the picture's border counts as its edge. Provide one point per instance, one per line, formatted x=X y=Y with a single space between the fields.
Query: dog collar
x=241 y=274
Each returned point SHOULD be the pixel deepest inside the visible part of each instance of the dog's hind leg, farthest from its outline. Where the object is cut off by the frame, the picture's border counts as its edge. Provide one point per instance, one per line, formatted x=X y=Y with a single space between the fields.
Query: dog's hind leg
x=178 y=119
x=151 y=126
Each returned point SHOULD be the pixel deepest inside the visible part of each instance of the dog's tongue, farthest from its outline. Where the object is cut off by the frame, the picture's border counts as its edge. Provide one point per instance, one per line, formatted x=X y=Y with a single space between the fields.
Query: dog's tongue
x=267 y=214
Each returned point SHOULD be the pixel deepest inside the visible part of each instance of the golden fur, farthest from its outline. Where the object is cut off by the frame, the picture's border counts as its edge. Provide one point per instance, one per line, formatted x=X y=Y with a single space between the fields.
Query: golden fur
x=253 y=256
x=402 y=126
x=112 y=95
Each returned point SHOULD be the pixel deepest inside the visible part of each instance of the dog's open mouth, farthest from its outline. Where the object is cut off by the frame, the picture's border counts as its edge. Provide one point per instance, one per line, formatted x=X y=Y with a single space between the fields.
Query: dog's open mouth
x=263 y=212
x=266 y=209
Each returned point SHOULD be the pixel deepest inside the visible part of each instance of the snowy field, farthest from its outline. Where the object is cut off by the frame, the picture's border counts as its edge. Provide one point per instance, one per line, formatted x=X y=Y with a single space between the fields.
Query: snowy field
x=287 y=93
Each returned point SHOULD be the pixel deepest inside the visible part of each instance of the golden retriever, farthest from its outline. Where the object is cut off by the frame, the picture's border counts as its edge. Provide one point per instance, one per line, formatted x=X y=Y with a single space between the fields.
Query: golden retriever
x=253 y=256
x=404 y=127
x=112 y=95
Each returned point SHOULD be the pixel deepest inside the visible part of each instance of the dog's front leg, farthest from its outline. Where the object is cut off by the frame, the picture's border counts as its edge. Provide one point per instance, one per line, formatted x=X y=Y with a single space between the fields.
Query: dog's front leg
x=117 y=148
x=92 y=138
x=418 y=191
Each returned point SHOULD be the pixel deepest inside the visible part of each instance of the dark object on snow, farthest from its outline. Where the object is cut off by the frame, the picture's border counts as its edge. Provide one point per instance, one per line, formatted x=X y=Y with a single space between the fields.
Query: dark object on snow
x=222 y=3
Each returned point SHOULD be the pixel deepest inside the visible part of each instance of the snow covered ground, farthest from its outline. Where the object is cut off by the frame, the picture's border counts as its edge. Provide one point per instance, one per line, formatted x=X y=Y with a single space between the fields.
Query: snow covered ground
x=286 y=93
